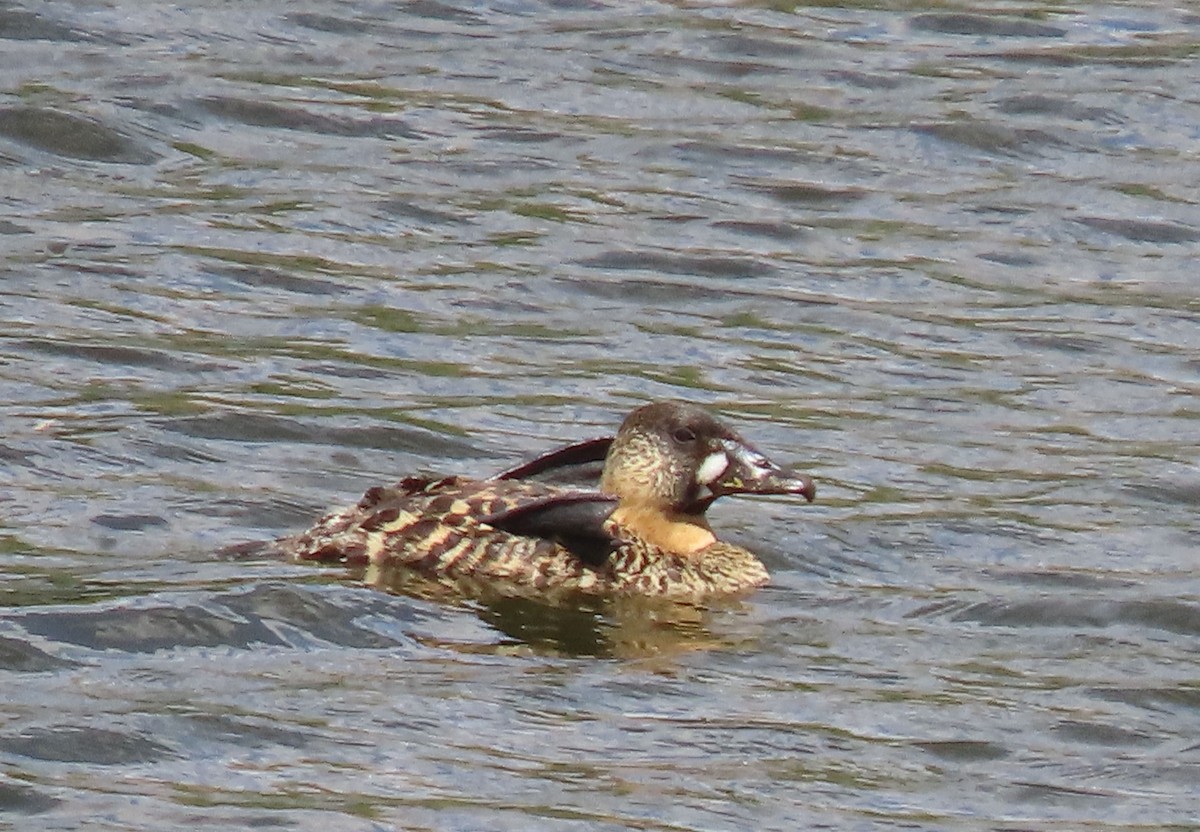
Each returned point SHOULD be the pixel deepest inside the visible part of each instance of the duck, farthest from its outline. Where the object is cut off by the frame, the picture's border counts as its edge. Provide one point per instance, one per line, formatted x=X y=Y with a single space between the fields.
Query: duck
x=640 y=530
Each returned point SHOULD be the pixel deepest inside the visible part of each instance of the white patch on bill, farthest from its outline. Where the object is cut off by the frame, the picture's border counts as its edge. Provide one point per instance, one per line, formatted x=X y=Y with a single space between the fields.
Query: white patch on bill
x=713 y=466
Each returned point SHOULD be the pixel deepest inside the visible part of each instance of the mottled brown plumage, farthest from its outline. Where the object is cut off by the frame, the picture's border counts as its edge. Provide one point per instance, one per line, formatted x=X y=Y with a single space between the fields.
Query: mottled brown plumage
x=642 y=531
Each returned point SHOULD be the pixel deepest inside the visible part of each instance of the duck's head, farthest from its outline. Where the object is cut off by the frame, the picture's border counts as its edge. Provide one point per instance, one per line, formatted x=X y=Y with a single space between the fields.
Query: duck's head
x=677 y=458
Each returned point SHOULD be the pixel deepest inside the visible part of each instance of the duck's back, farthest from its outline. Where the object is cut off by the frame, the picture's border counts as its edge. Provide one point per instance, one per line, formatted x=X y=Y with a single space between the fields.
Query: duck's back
x=462 y=528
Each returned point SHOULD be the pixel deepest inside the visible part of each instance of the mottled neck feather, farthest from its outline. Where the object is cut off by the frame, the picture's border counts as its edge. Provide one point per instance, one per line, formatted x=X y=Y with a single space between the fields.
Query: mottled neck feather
x=683 y=534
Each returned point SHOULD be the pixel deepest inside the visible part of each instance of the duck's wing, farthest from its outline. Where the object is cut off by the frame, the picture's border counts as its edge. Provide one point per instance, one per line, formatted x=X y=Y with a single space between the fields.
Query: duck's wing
x=573 y=519
x=418 y=520
x=578 y=464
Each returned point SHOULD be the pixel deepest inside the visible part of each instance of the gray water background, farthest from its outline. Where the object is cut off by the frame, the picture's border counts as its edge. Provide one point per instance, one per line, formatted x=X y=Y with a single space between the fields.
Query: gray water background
x=257 y=257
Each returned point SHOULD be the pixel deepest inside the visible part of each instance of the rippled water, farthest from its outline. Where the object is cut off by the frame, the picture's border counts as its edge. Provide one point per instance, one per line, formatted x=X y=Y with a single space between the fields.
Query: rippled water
x=258 y=257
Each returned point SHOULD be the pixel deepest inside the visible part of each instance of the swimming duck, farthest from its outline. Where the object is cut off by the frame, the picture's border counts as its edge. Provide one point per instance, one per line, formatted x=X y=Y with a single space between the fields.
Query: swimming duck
x=641 y=532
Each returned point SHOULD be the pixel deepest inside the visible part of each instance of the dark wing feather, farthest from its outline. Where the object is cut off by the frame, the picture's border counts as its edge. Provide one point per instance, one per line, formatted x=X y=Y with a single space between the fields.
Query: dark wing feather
x=575 y=519
x=576 y=464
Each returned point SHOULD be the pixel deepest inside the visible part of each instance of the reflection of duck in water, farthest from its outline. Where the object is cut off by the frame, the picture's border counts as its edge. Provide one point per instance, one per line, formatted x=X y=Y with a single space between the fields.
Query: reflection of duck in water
x=642 y=533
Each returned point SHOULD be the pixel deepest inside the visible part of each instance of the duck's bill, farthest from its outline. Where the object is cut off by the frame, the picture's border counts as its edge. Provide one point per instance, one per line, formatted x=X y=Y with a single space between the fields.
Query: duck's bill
x=749 y=472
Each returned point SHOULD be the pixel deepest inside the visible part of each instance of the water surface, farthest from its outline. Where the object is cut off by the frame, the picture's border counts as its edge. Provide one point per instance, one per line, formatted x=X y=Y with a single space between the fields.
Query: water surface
x=257 y=258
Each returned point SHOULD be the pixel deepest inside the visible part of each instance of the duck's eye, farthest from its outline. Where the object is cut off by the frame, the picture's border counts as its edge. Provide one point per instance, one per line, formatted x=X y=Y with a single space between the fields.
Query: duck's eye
x=684 y=435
